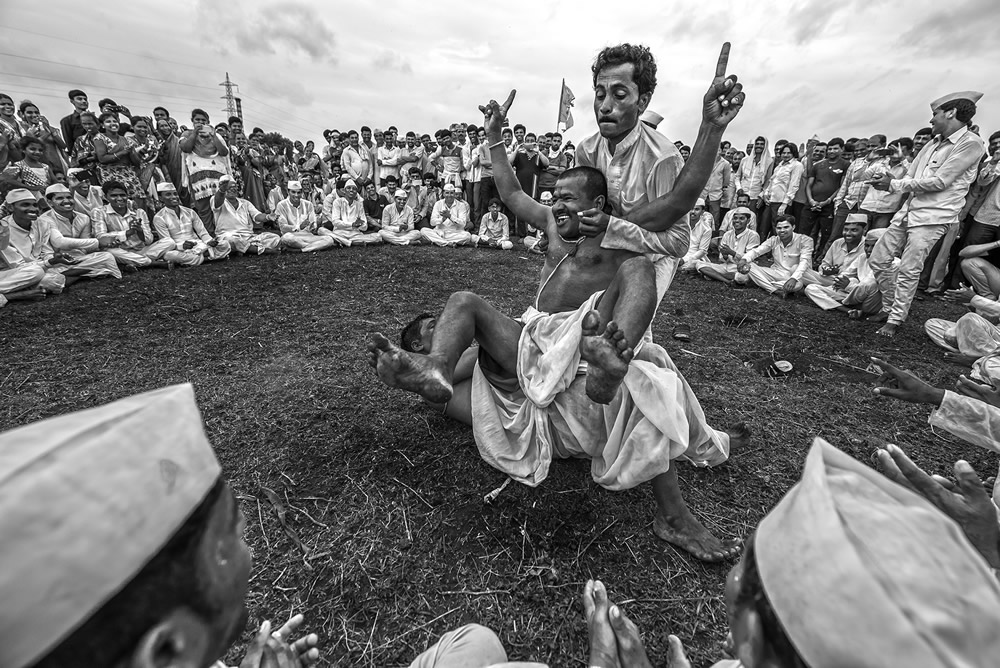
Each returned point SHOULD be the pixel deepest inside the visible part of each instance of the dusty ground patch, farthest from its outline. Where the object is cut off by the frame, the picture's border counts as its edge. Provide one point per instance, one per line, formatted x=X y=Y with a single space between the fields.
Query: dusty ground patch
x=385 y=498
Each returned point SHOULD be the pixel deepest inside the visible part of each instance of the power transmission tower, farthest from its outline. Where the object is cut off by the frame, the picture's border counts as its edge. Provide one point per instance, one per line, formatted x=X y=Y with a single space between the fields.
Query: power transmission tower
x=230 y=98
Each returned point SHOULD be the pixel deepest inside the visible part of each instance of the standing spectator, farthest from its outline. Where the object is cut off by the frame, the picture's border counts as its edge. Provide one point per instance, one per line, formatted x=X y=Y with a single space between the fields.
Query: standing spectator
x=36 y=125
x=781 y=187
x=815 y=151
x=31 y=173
x=248 y=161
x=558 y=163
x=116 y=156
x=719 y=189
x=70 y=125
x=939 y=179
x=171 y=158
x=388 y=160
x=448 y=157
x=881 y=205
x=920 y=139
x=205 y=162
x=487 y=187
x=474 y=175
x=83 y=153
x=10 y=132
x=148 y=152
x=109 y=106
x=854 y=185
x=752 y=172
x=528 y=165
x=822 y=185
x=354 y=160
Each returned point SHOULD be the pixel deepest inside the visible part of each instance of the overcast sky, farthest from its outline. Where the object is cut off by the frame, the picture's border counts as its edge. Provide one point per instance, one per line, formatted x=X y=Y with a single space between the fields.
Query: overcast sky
x=850 y=68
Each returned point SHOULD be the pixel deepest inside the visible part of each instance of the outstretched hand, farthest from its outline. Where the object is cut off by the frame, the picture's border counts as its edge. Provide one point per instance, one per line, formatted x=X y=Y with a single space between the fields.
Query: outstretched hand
x=904 y=386
x=725 y=95
x=985 y=393
x=966 y=501
x=275 y=650
x=494 y=114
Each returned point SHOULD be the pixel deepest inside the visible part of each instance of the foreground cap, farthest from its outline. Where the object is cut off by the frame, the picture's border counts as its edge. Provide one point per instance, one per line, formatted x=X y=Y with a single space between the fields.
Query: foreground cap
x=856 y=218
x=546 y=196
x=700 y=202
x=875 y=234
x=86 y=500
x=743 y=210
x=350 y=182
x=651 y=118
x=165 y=186
x=20 y=195
x=450 y=188
x=863 y=572
x=399 y=193
x=971 y=95
x=295 y=185
x=57 y=188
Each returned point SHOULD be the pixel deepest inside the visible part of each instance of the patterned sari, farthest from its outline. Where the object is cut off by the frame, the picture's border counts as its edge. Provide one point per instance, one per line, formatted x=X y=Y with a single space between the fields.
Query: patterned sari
x=121 y=170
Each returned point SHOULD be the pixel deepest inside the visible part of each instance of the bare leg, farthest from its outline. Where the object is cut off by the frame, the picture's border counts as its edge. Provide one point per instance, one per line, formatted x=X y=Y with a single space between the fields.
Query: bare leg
x=627 y=306
x=888 y=330
x=675 y=524
x=957 y=358
x=29 y=295
x=466 y=317
x=709 y=272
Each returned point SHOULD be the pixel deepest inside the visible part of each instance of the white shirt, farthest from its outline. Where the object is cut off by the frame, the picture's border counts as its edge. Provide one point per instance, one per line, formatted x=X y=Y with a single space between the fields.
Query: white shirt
x=701 y=237
x=109 y=223
x=498 y=229
x=239 y=218
x=796 y=257
x=344 y=214
x=291 y=218
x=784 y=182
x=69 y=234
x=184 y=227
x=393 y=217
x=390 y=161
x=458 y=215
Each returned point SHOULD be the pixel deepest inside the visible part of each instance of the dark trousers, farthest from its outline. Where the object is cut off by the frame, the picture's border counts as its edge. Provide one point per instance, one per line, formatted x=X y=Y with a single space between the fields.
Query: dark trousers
x=972 y=234
x=817 y=224
x=715 y=208
x=767 y=219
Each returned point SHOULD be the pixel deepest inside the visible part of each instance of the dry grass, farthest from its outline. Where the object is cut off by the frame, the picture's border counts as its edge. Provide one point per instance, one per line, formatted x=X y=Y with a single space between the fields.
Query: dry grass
x=385 y=541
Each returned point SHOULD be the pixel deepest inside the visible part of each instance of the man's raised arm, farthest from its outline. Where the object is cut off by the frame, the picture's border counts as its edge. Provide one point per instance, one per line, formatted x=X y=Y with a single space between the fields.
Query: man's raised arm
x=517 y=200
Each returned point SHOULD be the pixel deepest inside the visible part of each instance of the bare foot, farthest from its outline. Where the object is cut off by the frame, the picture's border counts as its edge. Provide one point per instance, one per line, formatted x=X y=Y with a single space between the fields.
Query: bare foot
x=30 y=295
x=687 y=533
x=608 y=354
x=881 y=316
x=630 y=649
x=959 y=358
x=603 y=648
x=888 y=330
x=855 y=314
x=739 y=436
x=422 y=374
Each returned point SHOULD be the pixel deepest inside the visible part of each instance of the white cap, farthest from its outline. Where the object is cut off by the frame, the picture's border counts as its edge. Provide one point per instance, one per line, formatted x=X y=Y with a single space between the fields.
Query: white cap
x=86 y=500
x=856 y=218
x=165 y=186
x=350 y=182
x=57 y=188
x=546 y=196
x=20 y=195
x=450 y=188
x=651 y=118
x=73 y=171
x=700 y=202
x=971 y=95
x=295 y=185
x=226 y=178
x=400 y=193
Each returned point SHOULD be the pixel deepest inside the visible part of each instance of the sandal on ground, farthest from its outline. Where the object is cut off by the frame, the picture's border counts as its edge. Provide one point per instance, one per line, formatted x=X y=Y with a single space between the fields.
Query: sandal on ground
x=682 y=332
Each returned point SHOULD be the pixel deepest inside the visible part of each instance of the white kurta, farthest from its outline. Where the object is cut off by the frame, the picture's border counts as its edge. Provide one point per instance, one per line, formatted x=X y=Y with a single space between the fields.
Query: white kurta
x=234 y=224
x=350 y=223
x=185 y=225
x=135 y=250
x=34 y=247
x=449 y=231
x=745 y=241
x=298 y=225
x=397 y=226
x=701 y=238
x=791 y=261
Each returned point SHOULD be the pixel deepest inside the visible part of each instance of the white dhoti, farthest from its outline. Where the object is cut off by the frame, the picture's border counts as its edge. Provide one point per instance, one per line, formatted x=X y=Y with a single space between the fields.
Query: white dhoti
x=20 y=278
x=400 y=238
x=972 y=335
x=447 y=237
x=724 y=268
x=348 y=237
x=865 y=296
x=144 y=256
x=771 y=279
x=241 y=241
x=520 y=429
x=97 y=264
x=307 y=242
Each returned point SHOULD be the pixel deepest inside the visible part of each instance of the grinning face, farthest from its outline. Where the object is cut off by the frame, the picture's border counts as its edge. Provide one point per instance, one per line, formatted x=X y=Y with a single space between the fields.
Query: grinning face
x=784 y=231
x=758 y=146
x=834 y=151
x=366 y=135
x=786 y=154
x=696 y=212
x=31 y=115
x=118 y=199
x=295 y=196
x=34 y=152
x=170 y=198
x=860 y=148
x=919 y=141
x=25 y=212
x=685 y=153
x=62 y=203
x=159 y=115
x=852 y=233
x=617 y=102
x=352 y=139
x=81 y=185
x=400 y=201
x=818 y=152
x=6 y=106
x=111 y=124
x=569 y=198
x=740 y=222
x=519 y=135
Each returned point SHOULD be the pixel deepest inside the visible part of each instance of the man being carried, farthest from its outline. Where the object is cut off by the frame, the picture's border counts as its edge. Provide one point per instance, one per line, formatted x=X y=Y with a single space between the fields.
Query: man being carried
x=297 y=222
x=735 y=243
x=792 y=256
x=183 y=226
x=449 y=220
x=236 y=221
x=529 y=403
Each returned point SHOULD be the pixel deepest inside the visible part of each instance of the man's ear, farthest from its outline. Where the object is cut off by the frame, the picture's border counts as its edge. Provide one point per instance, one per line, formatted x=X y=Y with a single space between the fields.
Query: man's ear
x=601 y=203
x=179 y=640
x=418 y=346
x=644 y=99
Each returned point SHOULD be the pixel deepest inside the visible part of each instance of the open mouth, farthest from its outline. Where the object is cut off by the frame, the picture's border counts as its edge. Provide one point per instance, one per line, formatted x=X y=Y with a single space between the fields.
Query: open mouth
x=562 y=219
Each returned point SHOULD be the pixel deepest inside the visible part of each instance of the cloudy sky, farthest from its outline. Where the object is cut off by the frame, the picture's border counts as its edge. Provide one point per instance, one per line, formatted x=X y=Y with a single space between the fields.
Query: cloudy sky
x=850 y=68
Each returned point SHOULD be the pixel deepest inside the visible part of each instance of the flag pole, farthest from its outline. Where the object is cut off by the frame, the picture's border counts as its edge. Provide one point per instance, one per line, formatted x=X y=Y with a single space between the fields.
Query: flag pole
x=562 y=92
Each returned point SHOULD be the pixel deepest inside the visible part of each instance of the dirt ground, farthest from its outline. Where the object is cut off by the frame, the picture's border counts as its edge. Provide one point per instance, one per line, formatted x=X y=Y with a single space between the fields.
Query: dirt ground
x=386 y=541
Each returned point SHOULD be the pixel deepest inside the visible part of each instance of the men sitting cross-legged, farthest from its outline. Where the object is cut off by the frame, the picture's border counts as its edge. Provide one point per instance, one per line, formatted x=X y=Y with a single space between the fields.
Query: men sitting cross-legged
x=854 y=290
x=71 y=231
x=494 y=229
x=735 y=243
x=702 y=225
x=28 y=241
x=449 y=218
x=975 y=335
x=346 y=221
x=297 y=222
x=183 y=226
x=529 y=403
x=237 y=220
x=842 y=254
x=129 y=227
x=792 y=256
x=398 y=223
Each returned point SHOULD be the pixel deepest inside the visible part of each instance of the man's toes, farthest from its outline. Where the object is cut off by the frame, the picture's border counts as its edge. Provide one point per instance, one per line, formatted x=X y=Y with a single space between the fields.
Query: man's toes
x=379 y=342
x=626 y=632
x=591 y=323
x=588 y=599
x=600 y=598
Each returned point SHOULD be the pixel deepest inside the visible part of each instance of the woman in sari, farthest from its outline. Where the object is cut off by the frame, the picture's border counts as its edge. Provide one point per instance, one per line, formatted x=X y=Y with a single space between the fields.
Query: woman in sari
x=84 y=155
x=10 y=132
x=117 y=159
x=148 y=152
x=36 y=125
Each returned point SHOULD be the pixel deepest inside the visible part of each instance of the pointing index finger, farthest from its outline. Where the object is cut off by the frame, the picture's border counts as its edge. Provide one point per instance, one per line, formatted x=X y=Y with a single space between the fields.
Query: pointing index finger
x=509 y=101
x=720 y=68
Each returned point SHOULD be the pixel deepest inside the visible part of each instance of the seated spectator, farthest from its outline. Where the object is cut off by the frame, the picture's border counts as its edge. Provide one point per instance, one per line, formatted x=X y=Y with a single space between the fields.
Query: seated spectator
x=854 y=291
x=183 y=226
x=398 y=223
x=735 y=243
x=742 y=201
x=72 y=232
x=791 y=254
x=534 y=239
x=31 y=173
x=374 y=204
x=702 y=224
x=975 y=335
x=297 y=223
x=494 y=229
x=842 y=253
x=133 y=591
x=346 y=219
x=121 y=222
x=388 y=190
x=981 y=272
x=27 y=241
x=449 y=221
x=239 y=222
x=86 y=196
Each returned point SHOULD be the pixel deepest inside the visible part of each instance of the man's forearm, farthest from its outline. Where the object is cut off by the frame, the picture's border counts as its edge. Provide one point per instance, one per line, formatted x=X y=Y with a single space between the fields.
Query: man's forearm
x=664 y=212
x=510 y=190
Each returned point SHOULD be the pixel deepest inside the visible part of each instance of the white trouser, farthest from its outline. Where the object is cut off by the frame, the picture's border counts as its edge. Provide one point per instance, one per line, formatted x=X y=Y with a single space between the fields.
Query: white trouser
x=400 y=238
x=241 y=241
x=912 y=244
x=99 y=263
x=771 y=279
x=20 y=278
x=143 y=257
x=972 y=335
x=447 y=237
x=864 y=295
x=348 y=237
x=307 y=242
x=726 y=269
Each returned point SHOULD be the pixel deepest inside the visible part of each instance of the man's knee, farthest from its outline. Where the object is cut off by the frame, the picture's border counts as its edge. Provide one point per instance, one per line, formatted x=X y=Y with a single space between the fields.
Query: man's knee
x=466 y=300
x=638 y=269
